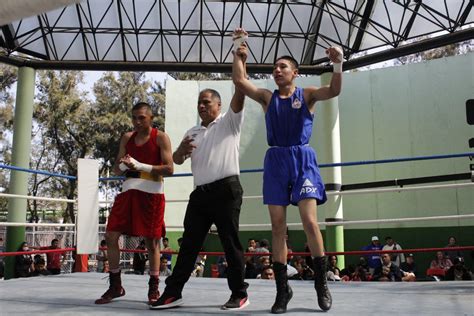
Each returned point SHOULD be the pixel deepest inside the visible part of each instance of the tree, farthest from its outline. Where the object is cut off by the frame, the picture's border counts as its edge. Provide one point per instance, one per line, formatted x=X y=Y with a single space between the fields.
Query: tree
x=8 y=76
x=63 y=112
x=435 y=53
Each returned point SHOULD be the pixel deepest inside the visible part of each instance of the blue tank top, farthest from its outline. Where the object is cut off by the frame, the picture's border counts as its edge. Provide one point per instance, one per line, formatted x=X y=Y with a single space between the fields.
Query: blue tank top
x=289 y=121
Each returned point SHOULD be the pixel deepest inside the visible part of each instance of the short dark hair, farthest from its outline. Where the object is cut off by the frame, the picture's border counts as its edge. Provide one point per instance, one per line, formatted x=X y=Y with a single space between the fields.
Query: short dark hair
x=290 y=59
x=165 y=238
x=54 y=240
x=140 y=105
x=213 y=92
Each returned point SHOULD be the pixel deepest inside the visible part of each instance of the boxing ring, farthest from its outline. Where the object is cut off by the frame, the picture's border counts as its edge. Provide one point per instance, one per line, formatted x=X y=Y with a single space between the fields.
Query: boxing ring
x=75 y=293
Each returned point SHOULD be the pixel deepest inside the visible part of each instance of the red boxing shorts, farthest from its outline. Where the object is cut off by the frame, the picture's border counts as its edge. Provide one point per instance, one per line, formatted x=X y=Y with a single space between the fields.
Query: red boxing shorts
x=137 y=213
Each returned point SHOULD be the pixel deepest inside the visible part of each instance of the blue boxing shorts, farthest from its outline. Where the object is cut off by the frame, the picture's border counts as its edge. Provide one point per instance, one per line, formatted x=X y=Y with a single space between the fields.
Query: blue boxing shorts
x=291 y=174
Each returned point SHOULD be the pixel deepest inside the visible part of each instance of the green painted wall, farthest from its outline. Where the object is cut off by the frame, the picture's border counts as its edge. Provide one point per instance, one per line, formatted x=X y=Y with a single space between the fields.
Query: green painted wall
x=406 y=111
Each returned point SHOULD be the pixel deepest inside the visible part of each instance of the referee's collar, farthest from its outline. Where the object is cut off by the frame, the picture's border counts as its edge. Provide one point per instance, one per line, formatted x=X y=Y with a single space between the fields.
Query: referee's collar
x=213 y=122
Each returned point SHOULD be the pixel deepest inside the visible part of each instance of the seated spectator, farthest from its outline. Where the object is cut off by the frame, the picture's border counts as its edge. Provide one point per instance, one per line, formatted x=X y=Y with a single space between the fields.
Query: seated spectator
x=102 y=260
x=263 y=263
x=140 y=259
x=250 y=268
x=199 y=265
x=40 y=266
x=451 y=254
x=263 y=247
x=166 y=247
x=363 y=263
x=304 y=271
x=251 y=245
x=441 y=262
x=54 y=259
x=23 y=263
x=164 y=270
x=332 y=267
x=458 y=272
x=354 y=273
x=268 y=274
x=222 y=267
x=409 y=268
x=389 y=271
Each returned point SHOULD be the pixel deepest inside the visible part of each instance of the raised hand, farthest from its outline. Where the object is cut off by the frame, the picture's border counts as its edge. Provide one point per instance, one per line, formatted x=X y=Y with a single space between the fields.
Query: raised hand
x=334 y=54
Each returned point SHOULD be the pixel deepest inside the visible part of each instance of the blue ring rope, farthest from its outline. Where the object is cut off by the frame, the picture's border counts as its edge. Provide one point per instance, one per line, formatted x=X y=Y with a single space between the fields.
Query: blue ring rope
x=339 y=164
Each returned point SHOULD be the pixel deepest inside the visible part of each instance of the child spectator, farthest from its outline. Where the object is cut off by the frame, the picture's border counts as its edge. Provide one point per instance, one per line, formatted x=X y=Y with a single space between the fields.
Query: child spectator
x=164 y=270
x=40 y=267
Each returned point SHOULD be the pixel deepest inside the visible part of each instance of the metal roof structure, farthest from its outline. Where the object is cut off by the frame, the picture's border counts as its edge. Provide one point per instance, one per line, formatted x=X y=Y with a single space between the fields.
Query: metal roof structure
x=195 y=35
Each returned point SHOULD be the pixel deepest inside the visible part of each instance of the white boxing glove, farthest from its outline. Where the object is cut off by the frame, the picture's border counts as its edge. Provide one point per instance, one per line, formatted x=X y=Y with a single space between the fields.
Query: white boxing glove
x=337 y=67
x=239 y=40
x=123 y=167
x=141 y=166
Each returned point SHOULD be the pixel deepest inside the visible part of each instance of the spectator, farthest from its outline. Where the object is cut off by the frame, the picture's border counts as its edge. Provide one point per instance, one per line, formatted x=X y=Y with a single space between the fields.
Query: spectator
x=409 y=265
x=251 y=245
x=363 y=264
x=166 y=247
x=23 y=263
x=199 y=265
x=39 y=267
x=451 y=254
x=54 y=259
x=263 y=263
x=222 y=267
x=373 y=260
x=332 y=267
x=102 y=260
x=458 y=272
x=268 y=274
x=388 y=271
x=140 y=259
x=263 y=247
x=354 y=273
x=164 y=270
x=250 y=267
x=441 y=262
x=390 y=244
x=304 y=270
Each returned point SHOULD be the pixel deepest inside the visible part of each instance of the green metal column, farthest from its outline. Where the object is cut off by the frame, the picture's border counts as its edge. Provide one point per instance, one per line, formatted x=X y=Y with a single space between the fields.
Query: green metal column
x=330 y=142
x=21 y=151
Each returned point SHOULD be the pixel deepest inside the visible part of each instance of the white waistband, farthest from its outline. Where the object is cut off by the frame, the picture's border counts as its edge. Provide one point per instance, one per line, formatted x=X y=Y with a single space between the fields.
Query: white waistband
x=142 y=185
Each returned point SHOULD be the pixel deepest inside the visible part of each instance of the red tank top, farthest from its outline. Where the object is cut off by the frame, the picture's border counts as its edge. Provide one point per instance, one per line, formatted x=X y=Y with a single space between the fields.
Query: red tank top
x=148 y=153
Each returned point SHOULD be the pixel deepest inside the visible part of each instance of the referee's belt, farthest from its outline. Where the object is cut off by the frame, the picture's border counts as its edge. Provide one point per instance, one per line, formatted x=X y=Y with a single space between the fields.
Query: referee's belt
x=143 y=175
x=217 y=184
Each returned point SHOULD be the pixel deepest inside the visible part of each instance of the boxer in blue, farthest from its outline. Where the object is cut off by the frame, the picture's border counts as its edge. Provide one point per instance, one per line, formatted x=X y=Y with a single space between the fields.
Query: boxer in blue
x=291 y=173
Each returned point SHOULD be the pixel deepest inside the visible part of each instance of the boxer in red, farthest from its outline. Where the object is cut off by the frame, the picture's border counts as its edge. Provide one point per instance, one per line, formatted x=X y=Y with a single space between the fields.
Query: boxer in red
x=144 y=158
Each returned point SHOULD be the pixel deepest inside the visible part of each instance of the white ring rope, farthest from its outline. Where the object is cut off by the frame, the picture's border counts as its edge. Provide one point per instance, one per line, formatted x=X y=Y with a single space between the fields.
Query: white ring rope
x=342 y=223
x=368 y=191
x=329 y=193
x=29 y=197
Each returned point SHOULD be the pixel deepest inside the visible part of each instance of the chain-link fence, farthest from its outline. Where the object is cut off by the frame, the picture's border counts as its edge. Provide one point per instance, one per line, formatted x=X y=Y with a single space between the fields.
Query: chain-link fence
x=37 y=237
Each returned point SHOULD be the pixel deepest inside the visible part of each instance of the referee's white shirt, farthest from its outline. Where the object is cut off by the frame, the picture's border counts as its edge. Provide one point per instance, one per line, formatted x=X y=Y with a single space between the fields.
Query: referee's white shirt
x=216 y=155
